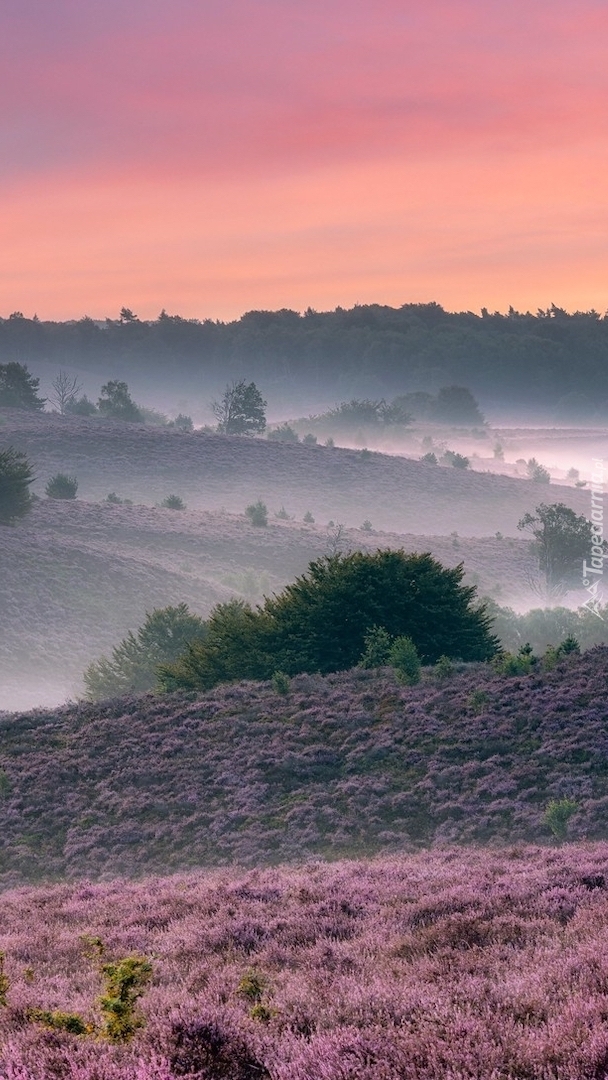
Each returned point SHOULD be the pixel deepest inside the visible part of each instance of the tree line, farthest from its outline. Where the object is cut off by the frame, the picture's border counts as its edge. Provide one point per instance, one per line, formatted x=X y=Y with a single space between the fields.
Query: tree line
x=553 y=356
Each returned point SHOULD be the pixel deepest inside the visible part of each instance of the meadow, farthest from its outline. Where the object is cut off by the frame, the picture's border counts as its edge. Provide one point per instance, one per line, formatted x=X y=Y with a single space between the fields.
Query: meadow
x=459 y=963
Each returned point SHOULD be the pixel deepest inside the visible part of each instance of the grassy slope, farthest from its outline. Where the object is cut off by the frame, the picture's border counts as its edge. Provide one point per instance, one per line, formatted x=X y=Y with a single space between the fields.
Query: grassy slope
x=212 y=471
x=350 y=763
x=472 y=965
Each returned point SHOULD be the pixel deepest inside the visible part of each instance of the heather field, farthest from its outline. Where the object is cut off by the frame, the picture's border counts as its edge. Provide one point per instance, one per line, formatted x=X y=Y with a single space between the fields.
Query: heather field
x=459 y=964
x=76 y=576
x=348 y=764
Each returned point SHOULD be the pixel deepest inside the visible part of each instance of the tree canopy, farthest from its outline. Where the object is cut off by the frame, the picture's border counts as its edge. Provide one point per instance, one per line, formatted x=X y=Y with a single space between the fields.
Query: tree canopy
x=562 y=540
x=320 y=622
x=241 y=410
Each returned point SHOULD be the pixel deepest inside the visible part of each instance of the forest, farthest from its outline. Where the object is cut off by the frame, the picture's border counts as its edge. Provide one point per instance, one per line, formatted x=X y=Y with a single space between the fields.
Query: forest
x=552 y=358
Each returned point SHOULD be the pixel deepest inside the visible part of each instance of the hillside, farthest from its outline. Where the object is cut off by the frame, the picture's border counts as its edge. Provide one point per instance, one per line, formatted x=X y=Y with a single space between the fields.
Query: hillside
x=146 y=464
x=350 y=763
x=470 y=965
x=77 y=576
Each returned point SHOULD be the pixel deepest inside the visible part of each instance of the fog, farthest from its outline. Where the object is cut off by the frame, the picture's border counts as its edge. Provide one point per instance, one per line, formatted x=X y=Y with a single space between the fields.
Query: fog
x=78 y=575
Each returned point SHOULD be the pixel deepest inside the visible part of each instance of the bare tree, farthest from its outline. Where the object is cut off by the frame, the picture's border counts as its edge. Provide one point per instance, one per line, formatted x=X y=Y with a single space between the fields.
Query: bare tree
x=66 y=389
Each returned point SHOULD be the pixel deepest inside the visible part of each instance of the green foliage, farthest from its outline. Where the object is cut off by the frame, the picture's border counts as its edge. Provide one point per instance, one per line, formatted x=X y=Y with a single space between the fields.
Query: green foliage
x=62 y=486
x=403 y=656
x=320 y=621
x=252 y=985
x=113 y=498
x=281 y=683
x=241 y=410
x=282 y=514
x=444 y=668
x=116 y=402
x=569 y=646
x=521 y=663
x=173 y=502
x=430 y=458
x=558 y=814
x=19 y=389
x=377 y=646
x=561 y=541
x=367 y=526
x=235 y=647
x=132 y=667
x=537 y=472
x=477 y=700
x=284 y=433
x=56 y=1020
x=308 y=518
x=309 y=439
x=257 y=513
x=15 y=478
x=125 y=982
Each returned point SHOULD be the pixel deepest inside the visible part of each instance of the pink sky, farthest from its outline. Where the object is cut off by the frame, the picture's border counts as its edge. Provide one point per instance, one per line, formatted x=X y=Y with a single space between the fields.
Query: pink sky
x=213 y=156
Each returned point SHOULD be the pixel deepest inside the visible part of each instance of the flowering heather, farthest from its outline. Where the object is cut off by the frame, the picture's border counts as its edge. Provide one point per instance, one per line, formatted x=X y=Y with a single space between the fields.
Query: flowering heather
x=352 y=763
x=467 y=964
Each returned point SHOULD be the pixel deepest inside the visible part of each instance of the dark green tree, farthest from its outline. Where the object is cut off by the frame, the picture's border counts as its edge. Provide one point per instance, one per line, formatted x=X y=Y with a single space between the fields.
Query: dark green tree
x=320 y=622
x=116 y=402
x=562 y=539
x=15 y=478
x=234 y=647
x=19 y=389
x=132 y=666
x=241 y=410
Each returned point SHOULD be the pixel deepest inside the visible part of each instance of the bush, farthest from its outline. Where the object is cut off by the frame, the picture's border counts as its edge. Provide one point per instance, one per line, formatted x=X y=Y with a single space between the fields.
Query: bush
x=62 y=486
x=430 y=458
x=281 y=683
x=56 y=1020
x=182 y=423
x=284 y=433
x=173 y=502
x=521 y=663
x=116 y=402
x=282 y=514
x=376 y=653
x=458 y=461
x=537 y=472
x=113 y=498
x=444 y=668
x=81 y=407
x=309 y=440
x=404 y=658
x=126 y=981
x=257 y=513
x=558 y=814
x=308 y=518
x=367 y=526
x=15 y=478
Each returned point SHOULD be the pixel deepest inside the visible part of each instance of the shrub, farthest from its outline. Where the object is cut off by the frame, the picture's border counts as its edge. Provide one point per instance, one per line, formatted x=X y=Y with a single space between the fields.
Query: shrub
x=56 y=1020
x=284 y=433
x=125 y=981
x=558 y=814
x=310 y=439
x=404 y=658
x=15 y=478
x=173 y=502
x=329 y=442
x=444 y=668
x=252 y=985
x=377 y=642
x=257 y=513
x=116 y=402
x=521 y=663
x=62 y=486
x=282 y=514
x=458 y=461
x=367 y=526
x=430 y=458
x=113 y=498
x=477 y=699
x=281 y=683
x=537 y=472
x=308 y=518
x=182 y=423
x=81 y=407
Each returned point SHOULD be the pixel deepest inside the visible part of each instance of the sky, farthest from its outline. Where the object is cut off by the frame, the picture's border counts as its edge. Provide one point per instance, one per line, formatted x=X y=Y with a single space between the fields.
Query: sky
x=211 y=157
